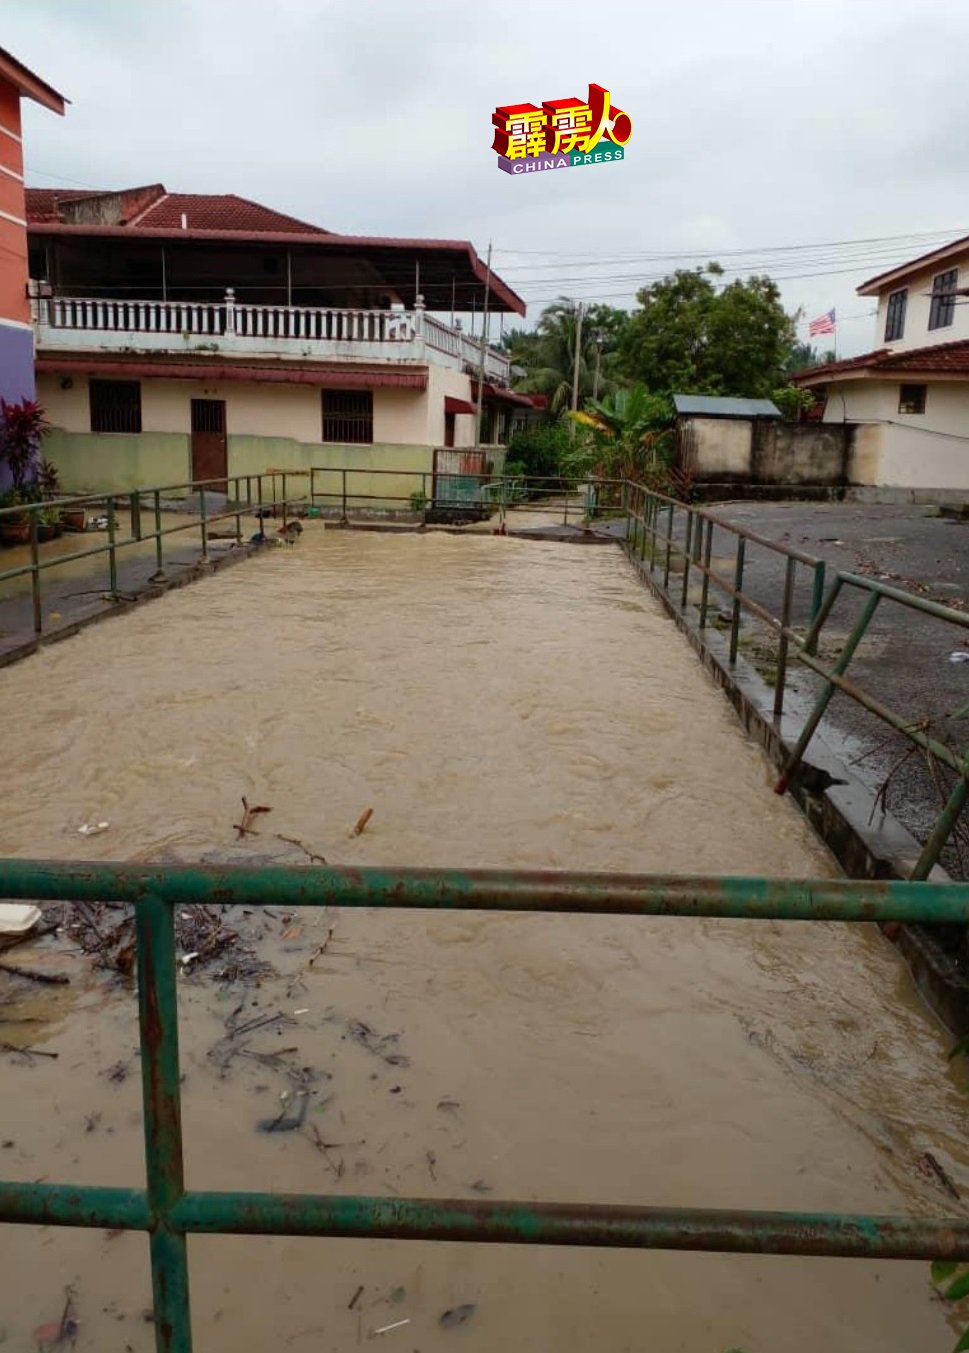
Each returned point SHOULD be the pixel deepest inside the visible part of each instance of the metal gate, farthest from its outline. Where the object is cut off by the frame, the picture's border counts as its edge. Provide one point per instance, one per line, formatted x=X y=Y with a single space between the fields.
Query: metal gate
x=168 y=1212
x=458 y=476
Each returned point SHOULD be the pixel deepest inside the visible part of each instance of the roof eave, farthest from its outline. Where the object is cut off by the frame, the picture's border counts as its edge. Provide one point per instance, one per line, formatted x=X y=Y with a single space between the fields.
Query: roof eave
x=876 y=284
x=511 y=299
x=29 y=85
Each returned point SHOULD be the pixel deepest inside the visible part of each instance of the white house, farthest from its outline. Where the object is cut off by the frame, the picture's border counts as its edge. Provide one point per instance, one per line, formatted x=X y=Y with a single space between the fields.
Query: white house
x=908 y=400
x=189 y=336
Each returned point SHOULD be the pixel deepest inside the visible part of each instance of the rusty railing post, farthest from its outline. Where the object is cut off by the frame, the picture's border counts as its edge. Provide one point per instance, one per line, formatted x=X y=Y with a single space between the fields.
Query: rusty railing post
x=687 y=549
x=158 y=1019
x=669 y=548
x=738 y=585
x=781 y=678
x=35 y=571
x=705 y=586
x=112 y=552
x=204 y=522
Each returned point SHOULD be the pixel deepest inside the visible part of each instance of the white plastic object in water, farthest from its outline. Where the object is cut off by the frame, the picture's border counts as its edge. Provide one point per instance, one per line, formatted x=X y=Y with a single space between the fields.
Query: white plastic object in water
x=16 y=918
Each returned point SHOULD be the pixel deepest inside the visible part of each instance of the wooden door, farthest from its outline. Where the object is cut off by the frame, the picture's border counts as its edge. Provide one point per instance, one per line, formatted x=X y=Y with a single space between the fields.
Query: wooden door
x=210 y=458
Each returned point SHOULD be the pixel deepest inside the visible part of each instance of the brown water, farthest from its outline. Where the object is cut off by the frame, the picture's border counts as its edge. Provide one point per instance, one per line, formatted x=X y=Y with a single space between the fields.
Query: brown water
x=496 y=702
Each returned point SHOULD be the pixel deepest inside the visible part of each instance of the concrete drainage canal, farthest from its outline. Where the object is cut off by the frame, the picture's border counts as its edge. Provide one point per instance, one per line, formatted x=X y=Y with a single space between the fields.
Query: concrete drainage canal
x=454 y=704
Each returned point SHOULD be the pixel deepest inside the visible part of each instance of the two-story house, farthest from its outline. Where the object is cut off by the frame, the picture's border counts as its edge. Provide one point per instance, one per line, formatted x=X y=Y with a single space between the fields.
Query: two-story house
x=908 y=400
x=183 y=336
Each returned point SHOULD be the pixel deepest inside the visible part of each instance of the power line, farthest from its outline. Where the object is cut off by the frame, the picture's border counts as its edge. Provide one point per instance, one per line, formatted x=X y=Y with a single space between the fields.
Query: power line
x=759 y=249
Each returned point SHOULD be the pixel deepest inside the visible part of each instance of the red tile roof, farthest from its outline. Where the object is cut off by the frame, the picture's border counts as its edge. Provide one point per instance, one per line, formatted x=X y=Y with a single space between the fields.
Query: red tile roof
x=233 y=219
x=42 y=202
x=938 y=359
x=155 y=209
x=223 y=211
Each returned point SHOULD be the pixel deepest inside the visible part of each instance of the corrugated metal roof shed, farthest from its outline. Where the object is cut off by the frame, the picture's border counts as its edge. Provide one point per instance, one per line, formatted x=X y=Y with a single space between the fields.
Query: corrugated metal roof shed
x=720 y=406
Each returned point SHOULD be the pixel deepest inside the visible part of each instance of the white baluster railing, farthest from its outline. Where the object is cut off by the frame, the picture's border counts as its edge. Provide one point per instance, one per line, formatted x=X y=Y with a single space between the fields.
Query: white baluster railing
x=271 y=323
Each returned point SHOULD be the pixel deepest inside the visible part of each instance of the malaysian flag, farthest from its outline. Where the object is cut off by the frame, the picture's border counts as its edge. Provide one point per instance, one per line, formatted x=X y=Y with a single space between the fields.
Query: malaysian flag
x=824 y=324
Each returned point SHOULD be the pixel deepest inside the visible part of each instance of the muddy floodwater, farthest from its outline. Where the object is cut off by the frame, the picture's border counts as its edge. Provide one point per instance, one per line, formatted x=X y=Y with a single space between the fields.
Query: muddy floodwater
x=496 y=702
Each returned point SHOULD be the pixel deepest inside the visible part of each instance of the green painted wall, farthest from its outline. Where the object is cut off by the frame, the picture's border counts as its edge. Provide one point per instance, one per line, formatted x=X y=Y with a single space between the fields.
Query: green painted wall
x=95 y=462
x=251 y=455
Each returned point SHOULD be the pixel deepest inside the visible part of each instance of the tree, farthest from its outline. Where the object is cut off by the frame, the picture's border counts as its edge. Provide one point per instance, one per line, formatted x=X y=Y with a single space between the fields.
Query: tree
x=689 y=337
x=629 y=430
x=803 y=356
x=548 y=353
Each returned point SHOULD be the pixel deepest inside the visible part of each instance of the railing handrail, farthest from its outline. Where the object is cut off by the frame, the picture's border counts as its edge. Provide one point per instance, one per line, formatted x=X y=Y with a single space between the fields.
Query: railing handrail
x=170 y=1213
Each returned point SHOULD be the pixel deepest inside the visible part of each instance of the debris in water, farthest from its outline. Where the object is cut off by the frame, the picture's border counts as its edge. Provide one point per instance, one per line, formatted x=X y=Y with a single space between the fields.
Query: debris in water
x=245 y=827
x=17 y=918
x=960 y=655
x=431 y=1162
x=355 y=1298
x=93 y=828
x=381 y=1045
x=57 y=1332
x=457 y=1315
x=311 y=855
x=929 y=1166
x=26 y=1052
x=54 y=979
x=361 y=823
x=284 y=1122
x=385 y=1329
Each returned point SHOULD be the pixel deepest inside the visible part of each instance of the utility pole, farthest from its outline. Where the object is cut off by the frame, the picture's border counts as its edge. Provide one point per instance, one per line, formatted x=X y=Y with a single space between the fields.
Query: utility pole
x=575 y=367
x=484 y=346
x=595 y=380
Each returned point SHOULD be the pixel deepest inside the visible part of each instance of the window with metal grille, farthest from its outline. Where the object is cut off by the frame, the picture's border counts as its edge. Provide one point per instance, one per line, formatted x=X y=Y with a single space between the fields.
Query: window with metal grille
x=911 y=399
x=943 y=309
x=115 y=406
x=348 y=415
x=895 y=318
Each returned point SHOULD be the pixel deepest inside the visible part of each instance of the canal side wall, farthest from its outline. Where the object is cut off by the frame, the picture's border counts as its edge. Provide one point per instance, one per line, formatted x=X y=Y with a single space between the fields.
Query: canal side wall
x=866 y=844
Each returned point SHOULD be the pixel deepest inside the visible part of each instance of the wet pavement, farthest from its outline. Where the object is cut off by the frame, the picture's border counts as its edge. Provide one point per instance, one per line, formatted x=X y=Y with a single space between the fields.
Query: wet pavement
x=906 y=659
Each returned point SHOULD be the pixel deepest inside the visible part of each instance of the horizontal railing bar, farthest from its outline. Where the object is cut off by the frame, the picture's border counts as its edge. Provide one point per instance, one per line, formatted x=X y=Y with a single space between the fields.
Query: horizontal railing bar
x=491 y=890
x=120 y=543
x=876 y=707
x=39 y=1204
x=529 y=1223
x=474 y=1221
x=768 y=544
x=909 y=599
x=124 y=495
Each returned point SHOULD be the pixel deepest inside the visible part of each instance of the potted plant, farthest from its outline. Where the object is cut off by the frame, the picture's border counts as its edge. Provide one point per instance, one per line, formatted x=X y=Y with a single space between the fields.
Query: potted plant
x=49 y=523
x=48 y=481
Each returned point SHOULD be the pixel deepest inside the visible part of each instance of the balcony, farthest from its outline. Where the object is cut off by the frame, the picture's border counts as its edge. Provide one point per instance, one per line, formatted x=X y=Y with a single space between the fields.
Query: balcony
x=91 y=324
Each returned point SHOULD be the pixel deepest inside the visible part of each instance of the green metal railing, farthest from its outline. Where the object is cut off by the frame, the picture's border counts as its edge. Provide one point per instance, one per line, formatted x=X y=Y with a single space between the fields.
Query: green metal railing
x=665 y=529
x=169 y=1213
x=270 y=493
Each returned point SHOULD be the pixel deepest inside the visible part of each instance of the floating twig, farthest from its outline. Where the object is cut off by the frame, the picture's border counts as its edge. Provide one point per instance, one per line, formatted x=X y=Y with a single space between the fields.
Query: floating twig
x=245 y=827
x=54 y=979
x=361 y=823
x=311 y=855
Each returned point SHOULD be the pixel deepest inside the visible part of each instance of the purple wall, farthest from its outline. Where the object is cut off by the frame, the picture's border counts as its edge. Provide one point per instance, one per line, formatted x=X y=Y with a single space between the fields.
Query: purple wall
x=16 y=372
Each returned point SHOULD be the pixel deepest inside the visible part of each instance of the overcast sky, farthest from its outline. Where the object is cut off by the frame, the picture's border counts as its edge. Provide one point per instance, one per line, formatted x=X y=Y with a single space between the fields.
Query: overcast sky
x=756 y=124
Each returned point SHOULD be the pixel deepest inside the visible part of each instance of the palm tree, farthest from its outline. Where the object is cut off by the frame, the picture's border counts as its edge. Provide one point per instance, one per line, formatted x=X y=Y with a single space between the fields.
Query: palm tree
x=548 y=355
